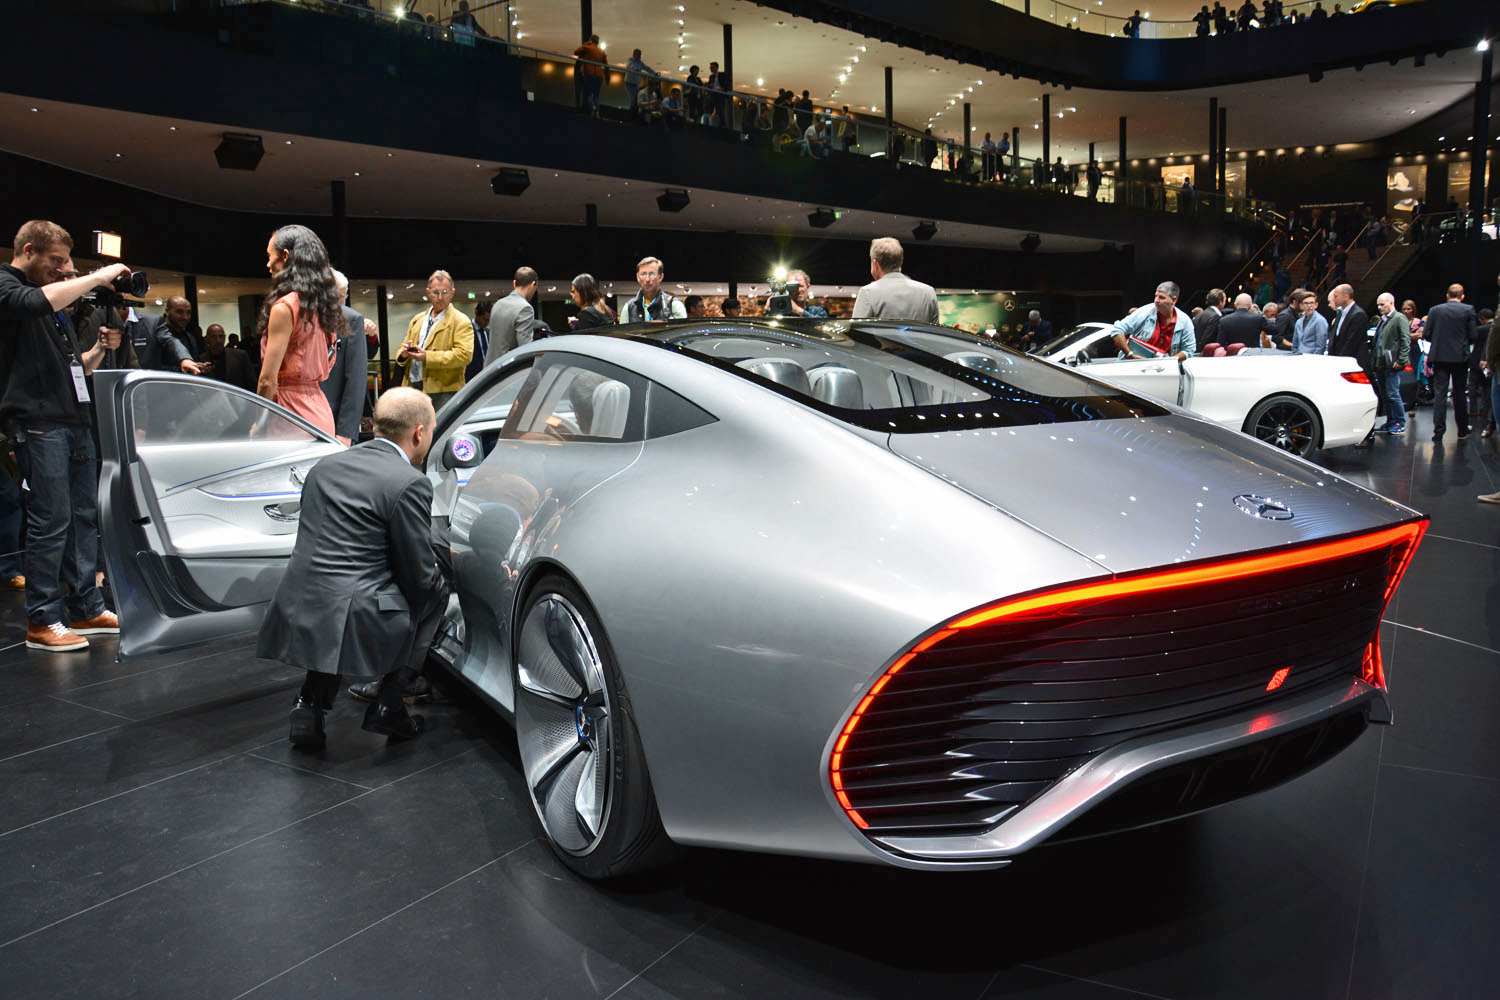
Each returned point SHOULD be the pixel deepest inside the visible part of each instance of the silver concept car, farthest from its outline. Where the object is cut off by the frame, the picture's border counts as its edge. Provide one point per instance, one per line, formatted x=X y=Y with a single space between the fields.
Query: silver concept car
x=855 y=590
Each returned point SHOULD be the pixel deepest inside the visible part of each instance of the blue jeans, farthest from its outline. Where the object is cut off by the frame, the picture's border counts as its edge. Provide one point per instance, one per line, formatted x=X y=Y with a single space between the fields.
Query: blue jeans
x=10 y=527
x=1395 y=410
x=62 y=524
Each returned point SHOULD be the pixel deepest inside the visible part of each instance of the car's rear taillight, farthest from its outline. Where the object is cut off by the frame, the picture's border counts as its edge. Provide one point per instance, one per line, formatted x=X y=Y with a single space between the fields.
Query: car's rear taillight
x=1359 y=377
x=1010 y=621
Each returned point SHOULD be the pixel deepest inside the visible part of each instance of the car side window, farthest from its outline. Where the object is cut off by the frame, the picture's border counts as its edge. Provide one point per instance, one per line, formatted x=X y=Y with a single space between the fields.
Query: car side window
x=572 y=398
x=473 y=436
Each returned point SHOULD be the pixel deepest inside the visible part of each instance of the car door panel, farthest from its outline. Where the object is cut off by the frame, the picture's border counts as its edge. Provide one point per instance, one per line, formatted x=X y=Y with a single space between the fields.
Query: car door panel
x=199 y=497
x=1158 y=378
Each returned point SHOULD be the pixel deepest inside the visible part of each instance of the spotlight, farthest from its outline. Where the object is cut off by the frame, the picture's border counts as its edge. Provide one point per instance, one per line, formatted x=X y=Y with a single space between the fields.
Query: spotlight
x=822 y=218
x=672 y=200
x=1031 y=242
x=924 y=230
x=239 y=151
x=511 y=181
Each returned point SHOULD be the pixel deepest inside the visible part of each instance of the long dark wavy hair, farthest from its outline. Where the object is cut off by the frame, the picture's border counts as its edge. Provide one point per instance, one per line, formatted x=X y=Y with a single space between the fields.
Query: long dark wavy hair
x=310 y=275
x=589 y=291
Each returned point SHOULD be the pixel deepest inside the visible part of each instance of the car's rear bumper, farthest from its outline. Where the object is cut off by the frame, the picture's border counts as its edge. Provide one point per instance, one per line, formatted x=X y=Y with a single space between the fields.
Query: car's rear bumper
x=1315 y=714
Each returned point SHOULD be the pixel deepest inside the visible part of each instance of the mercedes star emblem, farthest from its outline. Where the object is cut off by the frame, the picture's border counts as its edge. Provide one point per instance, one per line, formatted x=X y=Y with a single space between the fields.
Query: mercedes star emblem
x=1257 y=506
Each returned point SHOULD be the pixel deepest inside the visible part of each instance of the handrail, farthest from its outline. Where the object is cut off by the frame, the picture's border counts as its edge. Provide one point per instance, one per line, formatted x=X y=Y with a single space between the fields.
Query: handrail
x=1249 y=263
x=1390 y=245
x=1305 y=247
x=1352 y=243
x=1085 y=19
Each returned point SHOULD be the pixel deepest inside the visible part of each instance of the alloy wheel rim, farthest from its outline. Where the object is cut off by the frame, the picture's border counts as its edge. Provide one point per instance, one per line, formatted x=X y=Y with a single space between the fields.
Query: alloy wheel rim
x=1287 y=426
x=563 y=725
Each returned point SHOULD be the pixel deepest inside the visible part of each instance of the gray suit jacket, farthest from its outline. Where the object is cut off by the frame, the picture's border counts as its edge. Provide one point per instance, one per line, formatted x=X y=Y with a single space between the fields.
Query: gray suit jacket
x=362 y=571
x=345 y=384
x=510 y=326
x=895 y=296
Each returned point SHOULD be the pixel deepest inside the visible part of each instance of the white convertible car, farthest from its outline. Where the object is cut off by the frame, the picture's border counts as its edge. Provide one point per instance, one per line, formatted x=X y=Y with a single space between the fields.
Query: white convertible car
x=1298 y=402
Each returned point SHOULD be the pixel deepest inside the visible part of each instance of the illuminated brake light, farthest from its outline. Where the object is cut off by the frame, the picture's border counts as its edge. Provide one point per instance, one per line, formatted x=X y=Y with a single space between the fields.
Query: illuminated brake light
x=1359 y=377
x=1402 y=540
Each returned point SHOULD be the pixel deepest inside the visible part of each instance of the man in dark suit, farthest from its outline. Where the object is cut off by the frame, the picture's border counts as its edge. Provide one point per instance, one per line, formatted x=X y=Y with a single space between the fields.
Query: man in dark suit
x=347 y=379
x=513 y=317
x=1453 y=329
x=363 y=585
x=481 y=341
x=1350 y=323
x=1243 y=326
x=1036 y=332
x=164 y=342
x=1206 y=323
x=226 y=364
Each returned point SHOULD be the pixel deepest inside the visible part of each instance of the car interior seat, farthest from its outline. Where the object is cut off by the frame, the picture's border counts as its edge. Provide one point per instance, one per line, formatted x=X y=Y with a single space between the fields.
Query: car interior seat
x=837 y=385
x=782 y=371
x=611 y=401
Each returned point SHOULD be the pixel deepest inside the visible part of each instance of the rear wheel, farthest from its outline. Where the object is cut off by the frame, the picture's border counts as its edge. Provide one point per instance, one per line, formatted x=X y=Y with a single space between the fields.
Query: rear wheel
x=1290 y=423
x=579 y=748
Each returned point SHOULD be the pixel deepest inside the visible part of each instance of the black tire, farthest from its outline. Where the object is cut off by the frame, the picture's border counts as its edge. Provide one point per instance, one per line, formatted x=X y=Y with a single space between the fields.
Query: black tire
x=1291 y=423
x=566 y=676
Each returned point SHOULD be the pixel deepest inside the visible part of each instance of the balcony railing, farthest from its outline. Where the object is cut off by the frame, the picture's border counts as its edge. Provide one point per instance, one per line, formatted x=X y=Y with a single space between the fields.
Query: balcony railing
x=1083 y=16
x=745 y=118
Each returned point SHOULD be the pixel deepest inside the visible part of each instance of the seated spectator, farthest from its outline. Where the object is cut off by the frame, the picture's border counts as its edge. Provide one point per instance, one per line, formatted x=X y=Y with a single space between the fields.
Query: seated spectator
x=671 y=108
x=815 y=141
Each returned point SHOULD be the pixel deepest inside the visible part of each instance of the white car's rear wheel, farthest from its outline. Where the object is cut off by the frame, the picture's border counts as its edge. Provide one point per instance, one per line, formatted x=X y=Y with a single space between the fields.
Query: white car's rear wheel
x=579 y=747
x=1288 y=422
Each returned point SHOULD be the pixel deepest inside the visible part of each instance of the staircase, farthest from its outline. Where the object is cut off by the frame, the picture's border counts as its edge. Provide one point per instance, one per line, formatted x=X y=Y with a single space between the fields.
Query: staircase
x=1381 y=275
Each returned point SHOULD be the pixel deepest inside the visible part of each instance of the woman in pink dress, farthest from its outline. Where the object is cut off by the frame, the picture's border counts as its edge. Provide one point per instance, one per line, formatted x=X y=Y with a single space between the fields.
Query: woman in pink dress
x=299 y=322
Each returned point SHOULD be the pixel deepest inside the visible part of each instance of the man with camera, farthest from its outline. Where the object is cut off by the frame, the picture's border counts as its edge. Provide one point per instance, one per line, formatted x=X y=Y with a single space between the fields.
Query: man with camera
x=45 y=410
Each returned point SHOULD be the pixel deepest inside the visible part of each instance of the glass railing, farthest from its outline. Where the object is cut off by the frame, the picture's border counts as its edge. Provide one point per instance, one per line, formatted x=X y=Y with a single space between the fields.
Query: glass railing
x=1086 y=16
x=672 y=103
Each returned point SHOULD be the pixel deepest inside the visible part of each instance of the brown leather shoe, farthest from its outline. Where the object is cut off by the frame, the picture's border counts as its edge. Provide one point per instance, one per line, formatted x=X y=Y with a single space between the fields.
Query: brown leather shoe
x=17 y=582
x=55 y=638
x=103 y=623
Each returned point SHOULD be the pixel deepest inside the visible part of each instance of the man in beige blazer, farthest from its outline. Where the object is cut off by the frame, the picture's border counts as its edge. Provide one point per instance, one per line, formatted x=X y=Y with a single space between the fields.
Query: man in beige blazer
x=439 y=343
x=892 y=295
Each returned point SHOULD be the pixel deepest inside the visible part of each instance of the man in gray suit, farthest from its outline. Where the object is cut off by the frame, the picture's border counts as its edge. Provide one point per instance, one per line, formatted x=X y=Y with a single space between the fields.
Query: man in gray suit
x=512 y=319
x=892 y=295
x=363 y=585
x=346 y=381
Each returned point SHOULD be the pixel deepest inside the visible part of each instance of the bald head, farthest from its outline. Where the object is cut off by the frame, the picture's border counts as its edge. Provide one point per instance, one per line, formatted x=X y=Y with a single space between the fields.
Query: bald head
x=1342 y=295
x=179 y=313
x=405 y=416
x=214 y=338
x=1243 y=301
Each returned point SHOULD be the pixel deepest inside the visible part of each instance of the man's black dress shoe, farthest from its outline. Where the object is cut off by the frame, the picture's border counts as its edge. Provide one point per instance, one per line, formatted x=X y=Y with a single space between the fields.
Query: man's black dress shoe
x=420 y=690
x=307 y=725
x=397 y=722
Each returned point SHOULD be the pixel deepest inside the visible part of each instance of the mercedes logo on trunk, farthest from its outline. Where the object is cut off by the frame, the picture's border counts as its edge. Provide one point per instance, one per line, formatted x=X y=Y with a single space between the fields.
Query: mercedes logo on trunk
x=1255 y=506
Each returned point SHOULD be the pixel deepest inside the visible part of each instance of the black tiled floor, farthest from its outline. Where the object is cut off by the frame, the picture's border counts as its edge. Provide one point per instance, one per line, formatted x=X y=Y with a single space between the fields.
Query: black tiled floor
x=159 y=838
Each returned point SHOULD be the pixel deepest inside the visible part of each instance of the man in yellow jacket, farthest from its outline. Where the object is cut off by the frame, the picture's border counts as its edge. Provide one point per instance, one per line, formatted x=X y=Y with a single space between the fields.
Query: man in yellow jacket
x=439 y=343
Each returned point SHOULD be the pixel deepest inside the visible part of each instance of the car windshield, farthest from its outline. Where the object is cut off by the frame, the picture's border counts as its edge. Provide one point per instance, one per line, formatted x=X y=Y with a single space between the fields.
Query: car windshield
x=902 y=379
x=1068 y=339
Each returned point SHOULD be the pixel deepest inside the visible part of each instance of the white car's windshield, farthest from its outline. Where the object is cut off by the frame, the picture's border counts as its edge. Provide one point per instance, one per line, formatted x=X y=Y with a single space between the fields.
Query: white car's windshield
x=1068 y=339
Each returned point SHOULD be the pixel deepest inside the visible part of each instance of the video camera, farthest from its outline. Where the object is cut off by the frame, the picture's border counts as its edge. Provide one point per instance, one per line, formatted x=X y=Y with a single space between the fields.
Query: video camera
x=133 y=284
x=780 y=302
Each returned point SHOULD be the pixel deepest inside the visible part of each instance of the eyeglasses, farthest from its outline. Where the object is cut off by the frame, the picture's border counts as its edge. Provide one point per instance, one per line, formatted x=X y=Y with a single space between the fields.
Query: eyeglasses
x=435 y=292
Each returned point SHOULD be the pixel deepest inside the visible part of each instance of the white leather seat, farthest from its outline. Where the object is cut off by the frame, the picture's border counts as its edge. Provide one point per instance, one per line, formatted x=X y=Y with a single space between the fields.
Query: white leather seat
x=782 y=371
x=611 y=407
x=837 y=386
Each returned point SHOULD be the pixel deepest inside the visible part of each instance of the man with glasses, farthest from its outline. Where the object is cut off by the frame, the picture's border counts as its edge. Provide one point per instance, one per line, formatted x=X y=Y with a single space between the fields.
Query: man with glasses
x=651 y=304
x=439 y=343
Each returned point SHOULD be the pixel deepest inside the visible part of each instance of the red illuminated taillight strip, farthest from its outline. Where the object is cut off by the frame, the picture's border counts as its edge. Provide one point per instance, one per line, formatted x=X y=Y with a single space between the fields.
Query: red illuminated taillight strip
x=1402 y=538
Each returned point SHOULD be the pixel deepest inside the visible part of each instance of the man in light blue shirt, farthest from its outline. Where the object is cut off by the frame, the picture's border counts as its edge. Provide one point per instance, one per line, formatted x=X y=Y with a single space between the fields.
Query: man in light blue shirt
x=1159 y=325
x=634 y=67
x=1310 y=332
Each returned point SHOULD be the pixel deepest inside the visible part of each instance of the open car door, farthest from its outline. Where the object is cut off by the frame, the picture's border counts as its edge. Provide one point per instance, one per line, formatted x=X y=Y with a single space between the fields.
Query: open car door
x=199 y=498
